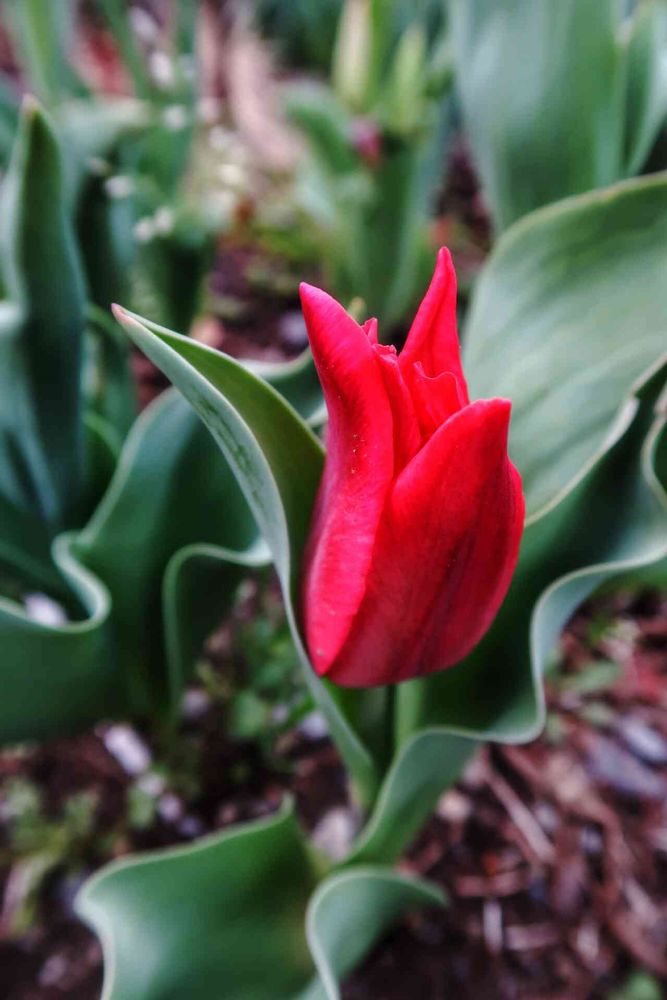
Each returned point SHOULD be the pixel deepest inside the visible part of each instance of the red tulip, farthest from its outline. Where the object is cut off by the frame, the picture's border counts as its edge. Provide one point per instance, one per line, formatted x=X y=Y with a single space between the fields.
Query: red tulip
x=418 y=519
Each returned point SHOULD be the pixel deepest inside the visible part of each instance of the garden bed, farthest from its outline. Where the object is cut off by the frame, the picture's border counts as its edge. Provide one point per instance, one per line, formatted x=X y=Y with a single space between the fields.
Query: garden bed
x=553 y=855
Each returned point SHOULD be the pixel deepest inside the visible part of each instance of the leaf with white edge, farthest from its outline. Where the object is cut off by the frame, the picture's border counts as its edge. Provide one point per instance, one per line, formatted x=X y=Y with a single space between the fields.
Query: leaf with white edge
x=234 y=915
x=171 y=489
x=278 y=463
x=570 y=310
x=57 y=679
x=130 y=582
x=430 y=761
x=219 y=918
x=348 y=914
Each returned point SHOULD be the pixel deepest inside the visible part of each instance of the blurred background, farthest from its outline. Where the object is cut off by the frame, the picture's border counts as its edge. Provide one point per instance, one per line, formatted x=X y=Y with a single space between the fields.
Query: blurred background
x=212 y=155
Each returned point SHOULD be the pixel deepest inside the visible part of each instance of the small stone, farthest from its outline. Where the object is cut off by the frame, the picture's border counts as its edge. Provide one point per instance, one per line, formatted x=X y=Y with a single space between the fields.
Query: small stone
x=129 y=750
x=196 y=703
x=170 y=808
x=335 y=832
x=151 y=784
x=53 y=970
x=453 y=806
x=645 y=743
x=314 y=726
x=191 y=827
x=44 y=609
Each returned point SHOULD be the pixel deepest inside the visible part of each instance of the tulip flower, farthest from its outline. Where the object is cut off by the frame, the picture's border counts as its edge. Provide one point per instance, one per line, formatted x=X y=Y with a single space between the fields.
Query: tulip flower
x=418 y=519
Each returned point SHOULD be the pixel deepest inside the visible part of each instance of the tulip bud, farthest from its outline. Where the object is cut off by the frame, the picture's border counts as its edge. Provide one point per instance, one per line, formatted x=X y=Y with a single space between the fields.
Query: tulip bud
x=417 y=524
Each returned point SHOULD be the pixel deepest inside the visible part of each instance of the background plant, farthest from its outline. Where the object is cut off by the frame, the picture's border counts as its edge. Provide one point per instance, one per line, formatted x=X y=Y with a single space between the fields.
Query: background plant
x=594 y=474
x=558 y=98
x=377 y=138
x=95 y=515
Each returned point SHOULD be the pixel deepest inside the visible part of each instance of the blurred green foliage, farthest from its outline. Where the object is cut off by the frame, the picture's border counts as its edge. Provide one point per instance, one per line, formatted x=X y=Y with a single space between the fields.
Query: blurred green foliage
x=377 y=137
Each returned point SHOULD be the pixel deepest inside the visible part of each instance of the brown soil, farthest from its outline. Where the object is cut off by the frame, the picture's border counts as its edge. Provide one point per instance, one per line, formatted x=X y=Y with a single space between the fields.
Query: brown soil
x=553 y=855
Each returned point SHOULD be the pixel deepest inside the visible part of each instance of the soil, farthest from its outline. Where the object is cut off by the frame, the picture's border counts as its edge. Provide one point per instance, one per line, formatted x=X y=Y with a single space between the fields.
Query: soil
x=553 y=855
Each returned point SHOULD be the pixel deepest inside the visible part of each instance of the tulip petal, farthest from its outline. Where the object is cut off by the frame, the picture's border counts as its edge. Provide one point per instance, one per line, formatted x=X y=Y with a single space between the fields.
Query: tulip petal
x=357 y=475
x=407 y=436
x=433 y=339
x=435 y=399
x=445 y=553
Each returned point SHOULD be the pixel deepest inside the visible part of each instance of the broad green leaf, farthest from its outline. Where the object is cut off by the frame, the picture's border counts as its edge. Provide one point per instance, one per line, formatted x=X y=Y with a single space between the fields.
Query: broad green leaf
x=234 y=916
x=278 y=463
x=350 y=911
x=569 y=312
x=138 y=619
x=40 y=379
x=171 y=489
x=58 y=679
x=546 y=87
x=315 y=109
x=220 y=918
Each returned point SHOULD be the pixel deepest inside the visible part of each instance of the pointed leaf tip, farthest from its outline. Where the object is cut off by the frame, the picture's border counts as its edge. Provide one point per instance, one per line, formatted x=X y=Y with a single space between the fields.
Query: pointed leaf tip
x=30 y=106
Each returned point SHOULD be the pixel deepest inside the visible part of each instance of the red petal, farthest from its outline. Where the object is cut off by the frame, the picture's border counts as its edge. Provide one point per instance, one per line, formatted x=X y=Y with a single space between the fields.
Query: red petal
x=357 y=474
x=407 y=437
x=433 y=339
x=435 y=399
x=370 y=328
x=445 y=553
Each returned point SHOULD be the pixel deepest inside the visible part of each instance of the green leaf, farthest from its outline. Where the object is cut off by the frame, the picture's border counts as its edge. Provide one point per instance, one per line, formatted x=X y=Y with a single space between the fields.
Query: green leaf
x=40 y=377
x=130 y=53
x=543 y=88
x=221 y=918
x=298 y=382
x=171 y=490
x=58 y=679
x=350 y=911
x=430 y=761
x=278 y=463
x=44 y=33
x=591 y=678
x=109 y=388
x=9 y=114
x=316 y=110
x=171 y=527
x=197 y=590
x=230 y=917
x=646 y=86
x=569 y=312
